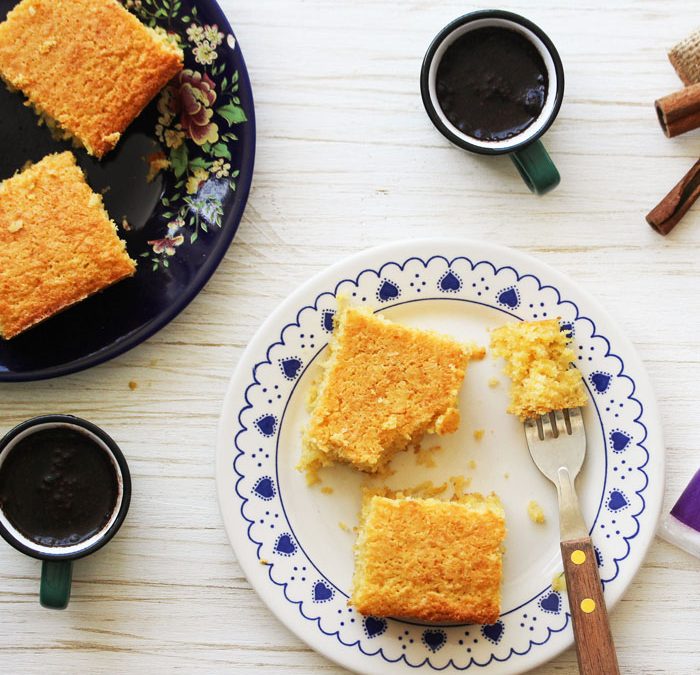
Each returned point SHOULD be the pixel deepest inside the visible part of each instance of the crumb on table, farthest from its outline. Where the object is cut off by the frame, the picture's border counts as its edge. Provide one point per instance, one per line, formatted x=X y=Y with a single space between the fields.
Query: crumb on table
x=494 y=382
x=327 y=490
x=263 y=561
x=133 y=384
x=344 y=526
x=471 y=464
x=478 y=434
x=535 y=512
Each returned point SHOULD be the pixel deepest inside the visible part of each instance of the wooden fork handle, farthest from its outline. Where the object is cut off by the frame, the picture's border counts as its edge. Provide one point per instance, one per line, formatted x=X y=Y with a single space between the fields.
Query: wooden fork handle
x=594 y=644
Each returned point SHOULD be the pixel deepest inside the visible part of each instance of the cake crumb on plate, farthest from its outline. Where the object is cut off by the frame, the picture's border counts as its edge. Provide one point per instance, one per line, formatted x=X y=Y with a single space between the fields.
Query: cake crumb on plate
x=559 y=582
x=535 y=512
x=157 y=162
x=424 y=456
x=459 y=486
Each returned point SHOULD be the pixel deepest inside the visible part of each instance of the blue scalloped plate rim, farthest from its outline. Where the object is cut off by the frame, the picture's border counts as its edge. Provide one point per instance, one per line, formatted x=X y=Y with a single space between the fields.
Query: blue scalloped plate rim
x=251 y=481
x=103 y=326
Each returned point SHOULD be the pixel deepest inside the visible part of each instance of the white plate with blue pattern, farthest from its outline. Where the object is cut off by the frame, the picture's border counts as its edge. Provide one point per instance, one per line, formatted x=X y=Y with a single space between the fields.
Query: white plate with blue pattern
x=295 y=542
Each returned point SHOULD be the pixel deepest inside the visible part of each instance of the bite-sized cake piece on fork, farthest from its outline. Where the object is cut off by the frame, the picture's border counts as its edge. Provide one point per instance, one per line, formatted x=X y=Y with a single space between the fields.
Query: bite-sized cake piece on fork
x=384 y=386
x=538 y=362
x=89 y=67
x=430 y=560
x=57 y=243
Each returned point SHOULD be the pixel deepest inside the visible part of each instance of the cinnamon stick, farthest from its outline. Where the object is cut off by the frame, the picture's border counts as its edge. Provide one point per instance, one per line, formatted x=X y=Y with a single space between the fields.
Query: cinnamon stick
x=668 y=212
x=679 y=112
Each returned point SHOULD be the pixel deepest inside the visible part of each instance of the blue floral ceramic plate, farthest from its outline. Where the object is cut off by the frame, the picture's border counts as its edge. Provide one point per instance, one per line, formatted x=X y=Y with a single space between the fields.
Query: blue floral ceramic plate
x=295 y=542
x=179 y=225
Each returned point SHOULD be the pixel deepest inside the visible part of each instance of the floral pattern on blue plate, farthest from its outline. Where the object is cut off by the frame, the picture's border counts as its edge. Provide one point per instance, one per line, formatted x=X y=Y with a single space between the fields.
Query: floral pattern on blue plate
x=179 y=221
x=198 y=115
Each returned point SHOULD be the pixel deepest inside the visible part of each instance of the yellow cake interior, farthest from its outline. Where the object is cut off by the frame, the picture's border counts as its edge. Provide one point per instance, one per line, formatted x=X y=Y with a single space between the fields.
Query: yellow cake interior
x=429 y=559
x=57 y=243
x=538 y=363
x=87 y=67
x=384 y=385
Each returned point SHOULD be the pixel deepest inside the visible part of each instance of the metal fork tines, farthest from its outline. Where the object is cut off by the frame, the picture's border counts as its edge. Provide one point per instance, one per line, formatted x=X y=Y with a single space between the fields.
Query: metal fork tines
x=557 y=443
x=557 y=422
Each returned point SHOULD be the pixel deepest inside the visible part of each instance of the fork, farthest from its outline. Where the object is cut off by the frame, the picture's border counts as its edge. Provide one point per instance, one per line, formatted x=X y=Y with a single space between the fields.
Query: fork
x=557 y=443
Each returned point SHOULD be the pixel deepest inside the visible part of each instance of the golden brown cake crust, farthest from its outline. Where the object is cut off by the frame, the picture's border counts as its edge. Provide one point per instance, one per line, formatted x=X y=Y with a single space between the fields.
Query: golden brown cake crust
x=57 y=244
x=430 y=560
x=88 y=64
x=538 y=362
x=385 y=386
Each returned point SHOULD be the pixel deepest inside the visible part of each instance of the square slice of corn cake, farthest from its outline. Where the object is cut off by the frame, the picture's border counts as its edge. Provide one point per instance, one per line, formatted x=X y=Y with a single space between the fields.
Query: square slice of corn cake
x=538 y=362
x=384 y=386
x=87 y=66
x=57 y=243
x=430 y=560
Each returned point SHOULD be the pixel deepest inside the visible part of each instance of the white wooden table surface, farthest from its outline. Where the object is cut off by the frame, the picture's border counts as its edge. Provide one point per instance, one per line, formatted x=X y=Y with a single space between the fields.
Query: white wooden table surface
x=347 y=159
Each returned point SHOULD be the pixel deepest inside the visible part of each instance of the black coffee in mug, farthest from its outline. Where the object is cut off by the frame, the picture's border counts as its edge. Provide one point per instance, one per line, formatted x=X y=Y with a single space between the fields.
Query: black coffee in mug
x=65 y=490
x=58 y=487
x=491 y=83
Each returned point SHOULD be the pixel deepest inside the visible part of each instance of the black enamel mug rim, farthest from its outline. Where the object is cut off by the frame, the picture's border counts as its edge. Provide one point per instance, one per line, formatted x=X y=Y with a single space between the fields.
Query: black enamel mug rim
x=425 y=79
x=125 y=478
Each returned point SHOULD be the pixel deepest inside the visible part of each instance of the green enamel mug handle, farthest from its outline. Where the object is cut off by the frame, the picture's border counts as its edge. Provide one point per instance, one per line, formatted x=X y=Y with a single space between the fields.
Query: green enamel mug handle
x=56 y=578
x=536 y=167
